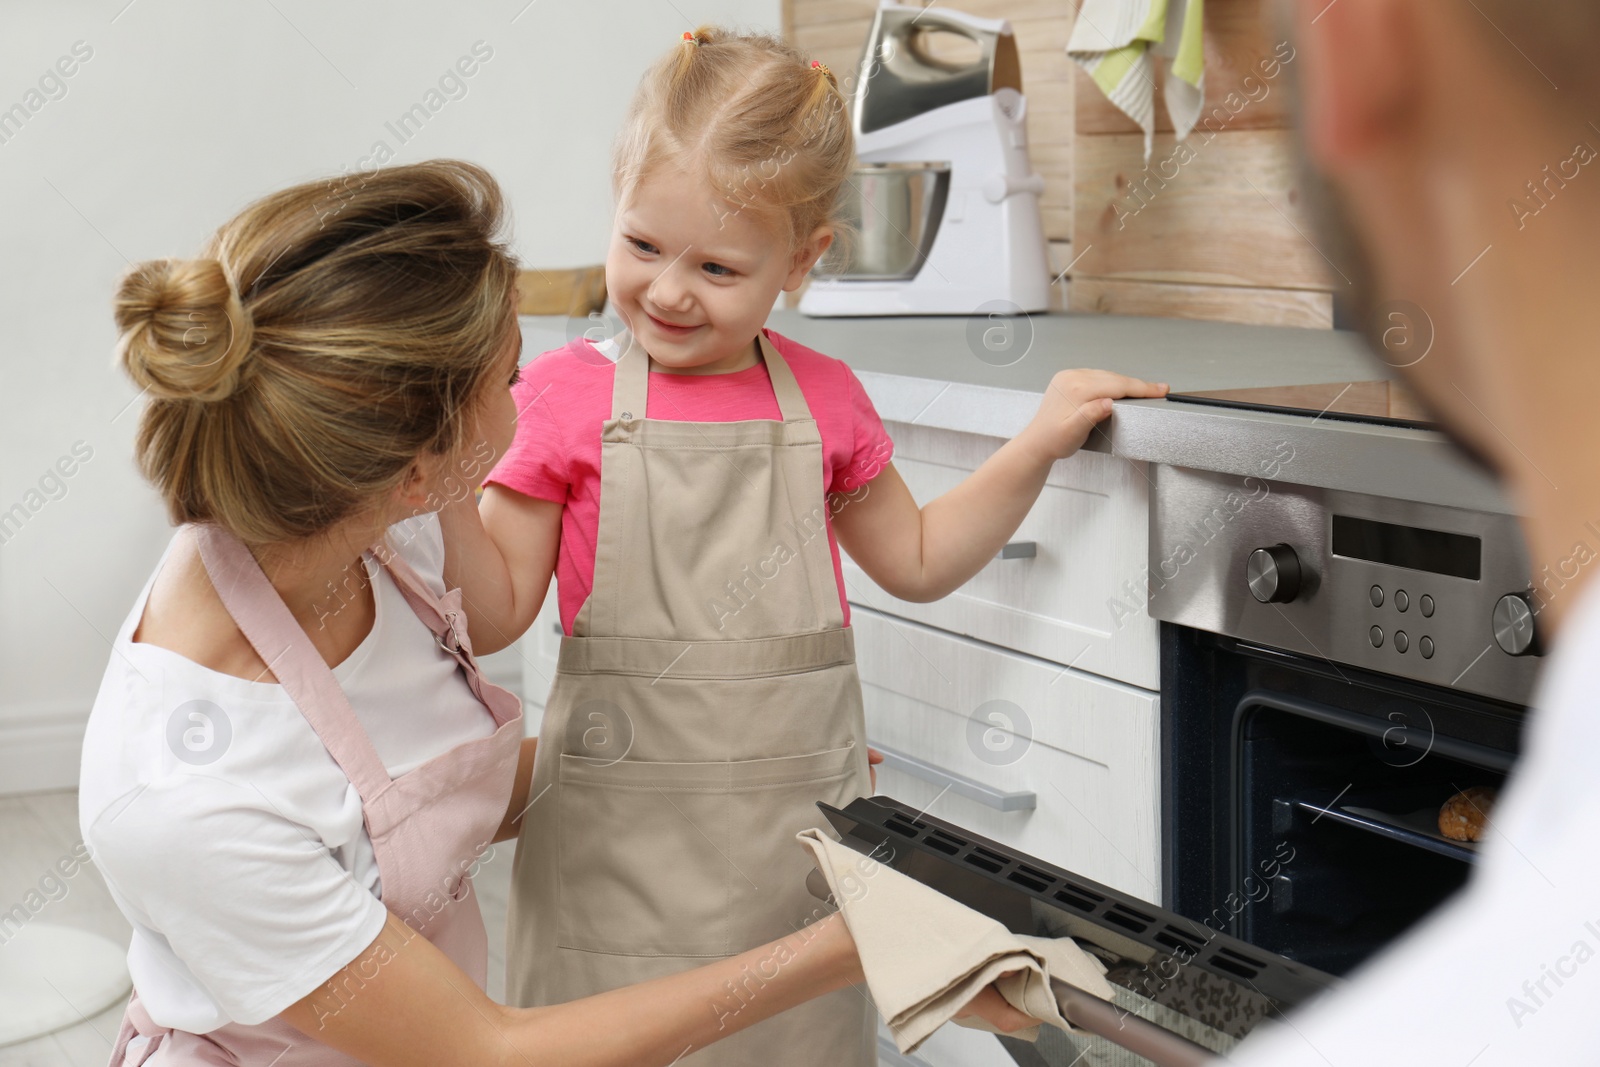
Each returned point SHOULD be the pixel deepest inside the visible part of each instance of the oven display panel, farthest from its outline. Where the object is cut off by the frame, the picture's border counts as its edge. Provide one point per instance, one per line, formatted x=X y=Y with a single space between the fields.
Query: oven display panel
x=1434 y=551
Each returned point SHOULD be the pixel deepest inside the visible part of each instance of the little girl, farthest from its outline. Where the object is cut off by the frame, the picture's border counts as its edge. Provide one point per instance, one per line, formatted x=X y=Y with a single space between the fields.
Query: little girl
x=689 y=482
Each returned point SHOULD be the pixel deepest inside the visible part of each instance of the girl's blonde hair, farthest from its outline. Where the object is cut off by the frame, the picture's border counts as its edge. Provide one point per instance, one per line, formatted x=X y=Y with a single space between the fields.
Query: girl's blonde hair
x=328 y=336
x=770 y=130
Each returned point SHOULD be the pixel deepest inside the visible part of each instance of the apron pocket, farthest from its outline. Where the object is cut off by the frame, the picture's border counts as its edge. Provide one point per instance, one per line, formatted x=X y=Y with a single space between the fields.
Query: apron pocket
x=678 y=859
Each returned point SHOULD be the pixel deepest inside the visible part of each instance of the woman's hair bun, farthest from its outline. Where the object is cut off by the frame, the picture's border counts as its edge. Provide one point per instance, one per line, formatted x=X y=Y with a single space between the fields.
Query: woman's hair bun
x=184 y=334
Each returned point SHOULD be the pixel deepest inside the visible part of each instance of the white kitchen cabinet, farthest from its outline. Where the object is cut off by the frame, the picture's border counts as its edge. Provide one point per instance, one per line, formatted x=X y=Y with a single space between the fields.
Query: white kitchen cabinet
x=1080 y=600
x=1084 y=745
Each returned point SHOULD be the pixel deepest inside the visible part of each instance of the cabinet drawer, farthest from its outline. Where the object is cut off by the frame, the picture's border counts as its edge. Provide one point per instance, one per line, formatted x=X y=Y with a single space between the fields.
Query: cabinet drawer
x=1085 y=746
x=1080 y=599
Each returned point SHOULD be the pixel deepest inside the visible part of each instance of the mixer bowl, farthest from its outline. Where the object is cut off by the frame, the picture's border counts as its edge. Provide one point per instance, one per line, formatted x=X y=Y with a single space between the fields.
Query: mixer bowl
x=895 y=210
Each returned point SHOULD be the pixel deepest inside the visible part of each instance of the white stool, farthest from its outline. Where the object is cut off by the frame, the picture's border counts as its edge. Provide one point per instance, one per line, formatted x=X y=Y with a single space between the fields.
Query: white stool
x=56 y=976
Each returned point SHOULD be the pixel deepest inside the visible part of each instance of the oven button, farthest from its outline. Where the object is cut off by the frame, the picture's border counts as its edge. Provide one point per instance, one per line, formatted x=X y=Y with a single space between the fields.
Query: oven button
x=1513 y=626
x=1401 y=601
x=1401 y=641
x=1377 y=596
x=1273 y=574
x=1376 y=633
x=1425 y=646
x=1426 y=604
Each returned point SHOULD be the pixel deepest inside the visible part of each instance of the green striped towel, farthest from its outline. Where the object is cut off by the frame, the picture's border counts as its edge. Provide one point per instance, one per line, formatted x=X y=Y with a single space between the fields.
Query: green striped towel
x=1114 y=41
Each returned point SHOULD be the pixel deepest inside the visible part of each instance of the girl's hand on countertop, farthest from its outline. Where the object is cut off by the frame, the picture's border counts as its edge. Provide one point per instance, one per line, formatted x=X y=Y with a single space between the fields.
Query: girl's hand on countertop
x=1074 y=402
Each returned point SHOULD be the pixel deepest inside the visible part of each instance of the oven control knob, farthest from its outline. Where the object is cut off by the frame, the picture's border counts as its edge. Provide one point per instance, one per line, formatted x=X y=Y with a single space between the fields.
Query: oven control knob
x=1513 y=626
x=1274 y=574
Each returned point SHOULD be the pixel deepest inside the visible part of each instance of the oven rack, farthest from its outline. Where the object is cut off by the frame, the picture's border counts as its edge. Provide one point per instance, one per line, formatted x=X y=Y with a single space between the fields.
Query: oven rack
x=1412 y=827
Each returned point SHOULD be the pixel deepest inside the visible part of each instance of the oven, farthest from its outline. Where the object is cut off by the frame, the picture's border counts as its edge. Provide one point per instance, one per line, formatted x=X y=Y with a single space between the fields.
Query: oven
x=1335 y=667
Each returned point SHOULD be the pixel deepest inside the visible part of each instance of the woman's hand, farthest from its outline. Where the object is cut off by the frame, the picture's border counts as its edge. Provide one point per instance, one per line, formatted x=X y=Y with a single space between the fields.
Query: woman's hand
x=874 y=757
x=995 y=1010
x=1074 y=403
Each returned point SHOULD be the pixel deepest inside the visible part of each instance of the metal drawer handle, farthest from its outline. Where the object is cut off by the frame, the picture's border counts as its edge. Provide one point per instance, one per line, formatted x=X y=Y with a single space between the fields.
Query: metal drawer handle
x=1018 y=550
x=998 y=799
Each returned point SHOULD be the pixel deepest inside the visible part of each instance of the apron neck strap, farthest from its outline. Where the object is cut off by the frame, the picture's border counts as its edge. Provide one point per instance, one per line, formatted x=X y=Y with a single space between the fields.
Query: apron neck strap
x=283 y=646
x=791 y=401
x=445 y=617
x=631 y=387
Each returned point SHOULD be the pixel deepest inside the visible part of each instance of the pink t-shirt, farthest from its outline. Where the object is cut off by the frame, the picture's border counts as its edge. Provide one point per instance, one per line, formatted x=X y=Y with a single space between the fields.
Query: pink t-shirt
x=565 y=395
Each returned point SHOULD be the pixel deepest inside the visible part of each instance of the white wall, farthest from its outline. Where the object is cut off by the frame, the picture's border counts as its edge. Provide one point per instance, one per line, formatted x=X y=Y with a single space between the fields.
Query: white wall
x=183 y=112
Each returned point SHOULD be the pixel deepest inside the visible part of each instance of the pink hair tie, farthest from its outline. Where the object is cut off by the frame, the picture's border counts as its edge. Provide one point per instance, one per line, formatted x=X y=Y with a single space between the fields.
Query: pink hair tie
x=688 y=36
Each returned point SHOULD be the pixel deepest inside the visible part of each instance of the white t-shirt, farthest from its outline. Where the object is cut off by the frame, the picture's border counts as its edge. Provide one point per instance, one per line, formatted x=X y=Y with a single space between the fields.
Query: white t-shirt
x=225 y=831
x=1507 y=973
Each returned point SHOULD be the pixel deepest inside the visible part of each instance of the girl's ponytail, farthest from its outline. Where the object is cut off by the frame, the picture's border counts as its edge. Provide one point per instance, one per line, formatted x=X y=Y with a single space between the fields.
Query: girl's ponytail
x=692 y=40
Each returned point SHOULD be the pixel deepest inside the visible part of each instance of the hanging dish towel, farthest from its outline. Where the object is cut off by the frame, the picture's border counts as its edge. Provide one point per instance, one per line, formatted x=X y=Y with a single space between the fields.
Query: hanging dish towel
x=925 y=955
x=1114 y=41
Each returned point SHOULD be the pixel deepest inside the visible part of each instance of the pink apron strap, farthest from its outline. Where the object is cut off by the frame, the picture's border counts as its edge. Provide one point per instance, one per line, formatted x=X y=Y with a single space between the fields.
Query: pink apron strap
x=136 y=1022
x=282 y=644
x=445 y=617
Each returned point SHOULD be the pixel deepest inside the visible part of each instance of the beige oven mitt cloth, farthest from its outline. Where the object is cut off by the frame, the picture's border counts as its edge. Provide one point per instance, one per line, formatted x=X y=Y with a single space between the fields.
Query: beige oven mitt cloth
x=926 y=955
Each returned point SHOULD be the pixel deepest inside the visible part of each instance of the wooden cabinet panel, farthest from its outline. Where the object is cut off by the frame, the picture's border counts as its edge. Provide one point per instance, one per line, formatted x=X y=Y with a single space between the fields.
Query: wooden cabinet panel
x=1215 y=303
x=1221 y=211
x=1067 y=604
x=1086 y=746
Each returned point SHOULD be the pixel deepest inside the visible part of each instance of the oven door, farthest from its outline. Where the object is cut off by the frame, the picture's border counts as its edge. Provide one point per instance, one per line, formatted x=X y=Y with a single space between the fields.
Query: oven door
x=1184 y=990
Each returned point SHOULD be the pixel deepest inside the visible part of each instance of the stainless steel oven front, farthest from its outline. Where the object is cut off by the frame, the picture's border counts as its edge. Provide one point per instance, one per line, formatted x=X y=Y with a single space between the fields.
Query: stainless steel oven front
x=1335 y=667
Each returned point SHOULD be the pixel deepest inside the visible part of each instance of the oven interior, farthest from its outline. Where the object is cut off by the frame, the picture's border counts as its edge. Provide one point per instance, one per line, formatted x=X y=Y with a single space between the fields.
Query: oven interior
x=1301 y=798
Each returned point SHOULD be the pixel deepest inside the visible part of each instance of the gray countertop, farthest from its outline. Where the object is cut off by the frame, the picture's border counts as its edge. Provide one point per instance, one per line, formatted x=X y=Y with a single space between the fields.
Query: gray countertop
x=932 y=371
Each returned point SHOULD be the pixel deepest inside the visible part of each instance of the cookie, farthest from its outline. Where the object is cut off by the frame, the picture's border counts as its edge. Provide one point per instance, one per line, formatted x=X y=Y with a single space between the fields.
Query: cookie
x=1465 y=816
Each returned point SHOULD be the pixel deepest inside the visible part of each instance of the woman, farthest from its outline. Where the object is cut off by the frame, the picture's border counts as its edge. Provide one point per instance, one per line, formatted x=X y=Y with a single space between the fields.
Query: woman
x=294 y=764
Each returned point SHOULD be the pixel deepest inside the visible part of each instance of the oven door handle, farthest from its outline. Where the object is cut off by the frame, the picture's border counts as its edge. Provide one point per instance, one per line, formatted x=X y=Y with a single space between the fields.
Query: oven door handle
x=1157 y=1044
x=960 y=784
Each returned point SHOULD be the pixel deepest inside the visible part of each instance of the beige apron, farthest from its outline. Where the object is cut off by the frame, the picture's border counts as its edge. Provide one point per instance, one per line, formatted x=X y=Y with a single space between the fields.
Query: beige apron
x=707 y=699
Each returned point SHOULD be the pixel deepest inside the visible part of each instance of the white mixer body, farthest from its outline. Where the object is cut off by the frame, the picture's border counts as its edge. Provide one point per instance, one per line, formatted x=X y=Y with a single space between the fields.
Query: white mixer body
x=988 y=254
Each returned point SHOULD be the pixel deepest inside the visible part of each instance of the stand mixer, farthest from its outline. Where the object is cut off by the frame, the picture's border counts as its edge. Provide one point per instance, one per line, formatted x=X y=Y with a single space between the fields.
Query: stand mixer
x=944 y=201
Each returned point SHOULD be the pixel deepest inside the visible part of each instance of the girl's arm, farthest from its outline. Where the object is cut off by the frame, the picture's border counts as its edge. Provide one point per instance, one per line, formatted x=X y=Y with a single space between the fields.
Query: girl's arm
x=922 y=554
x=502 y=557
x=403 y=1003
